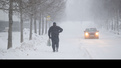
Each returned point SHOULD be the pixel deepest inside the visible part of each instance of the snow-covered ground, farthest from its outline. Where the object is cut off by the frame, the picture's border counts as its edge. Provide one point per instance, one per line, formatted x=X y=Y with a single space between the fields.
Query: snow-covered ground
x=72 y=44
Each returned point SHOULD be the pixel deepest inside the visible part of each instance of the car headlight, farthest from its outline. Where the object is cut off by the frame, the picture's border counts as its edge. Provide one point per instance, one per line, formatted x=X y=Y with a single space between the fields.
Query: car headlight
x=97 y=33
x=86 y=34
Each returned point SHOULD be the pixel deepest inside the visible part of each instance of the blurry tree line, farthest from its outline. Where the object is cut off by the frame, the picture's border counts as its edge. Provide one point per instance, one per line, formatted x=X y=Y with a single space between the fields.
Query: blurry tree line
x=107 y=13
x=43 y=11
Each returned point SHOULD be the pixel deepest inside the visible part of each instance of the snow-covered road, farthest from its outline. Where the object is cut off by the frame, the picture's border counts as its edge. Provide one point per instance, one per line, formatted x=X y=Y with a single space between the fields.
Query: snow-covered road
x=108 y=46
x=72 y=45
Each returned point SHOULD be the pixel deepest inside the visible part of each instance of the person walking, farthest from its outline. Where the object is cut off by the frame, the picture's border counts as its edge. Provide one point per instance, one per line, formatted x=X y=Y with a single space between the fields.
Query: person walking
x=53 y=34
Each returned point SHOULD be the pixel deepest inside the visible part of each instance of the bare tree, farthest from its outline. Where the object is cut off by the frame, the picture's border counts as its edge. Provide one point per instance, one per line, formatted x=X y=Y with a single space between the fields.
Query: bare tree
x=54 y=9
x=32 y=10
x=10 y=24
x=108 y=11
x=21 y=19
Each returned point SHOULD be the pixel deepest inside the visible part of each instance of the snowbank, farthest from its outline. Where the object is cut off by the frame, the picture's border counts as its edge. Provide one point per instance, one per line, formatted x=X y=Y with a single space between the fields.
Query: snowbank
x=18 y=49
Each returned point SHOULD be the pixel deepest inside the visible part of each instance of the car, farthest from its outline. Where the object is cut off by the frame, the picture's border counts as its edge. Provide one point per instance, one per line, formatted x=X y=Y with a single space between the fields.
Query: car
x=91 y=33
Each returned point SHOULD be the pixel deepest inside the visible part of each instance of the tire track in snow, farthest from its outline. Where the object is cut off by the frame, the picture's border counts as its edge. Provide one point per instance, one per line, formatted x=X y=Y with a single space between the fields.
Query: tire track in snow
x=85 y=53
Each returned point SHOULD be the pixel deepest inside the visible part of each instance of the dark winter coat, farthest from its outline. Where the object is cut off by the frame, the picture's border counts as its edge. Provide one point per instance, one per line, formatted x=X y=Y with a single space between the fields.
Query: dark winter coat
x=54 y=31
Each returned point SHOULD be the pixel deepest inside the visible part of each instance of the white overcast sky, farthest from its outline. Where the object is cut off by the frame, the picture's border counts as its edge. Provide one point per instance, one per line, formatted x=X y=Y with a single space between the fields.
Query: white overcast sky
x=78 y=9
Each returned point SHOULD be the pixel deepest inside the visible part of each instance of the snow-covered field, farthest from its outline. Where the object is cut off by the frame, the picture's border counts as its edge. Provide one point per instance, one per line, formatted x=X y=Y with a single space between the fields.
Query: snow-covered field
x=72 y=44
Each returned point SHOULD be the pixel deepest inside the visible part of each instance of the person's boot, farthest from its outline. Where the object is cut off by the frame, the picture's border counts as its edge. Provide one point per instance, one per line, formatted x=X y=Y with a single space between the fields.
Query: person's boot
x=56 y=49
x=53 y=51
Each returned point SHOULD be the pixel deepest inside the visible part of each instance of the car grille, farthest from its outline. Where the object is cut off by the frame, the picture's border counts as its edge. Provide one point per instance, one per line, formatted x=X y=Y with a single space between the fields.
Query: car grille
x=91 y=33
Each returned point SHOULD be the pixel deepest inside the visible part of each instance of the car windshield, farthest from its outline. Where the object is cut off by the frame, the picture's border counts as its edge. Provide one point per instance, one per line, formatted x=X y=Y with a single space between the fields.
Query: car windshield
x=87 y=29
x=92 y=29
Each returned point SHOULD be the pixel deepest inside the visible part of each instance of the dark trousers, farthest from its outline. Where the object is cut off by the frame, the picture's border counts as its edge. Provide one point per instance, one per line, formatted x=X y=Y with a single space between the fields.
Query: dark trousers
x=55 y=44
